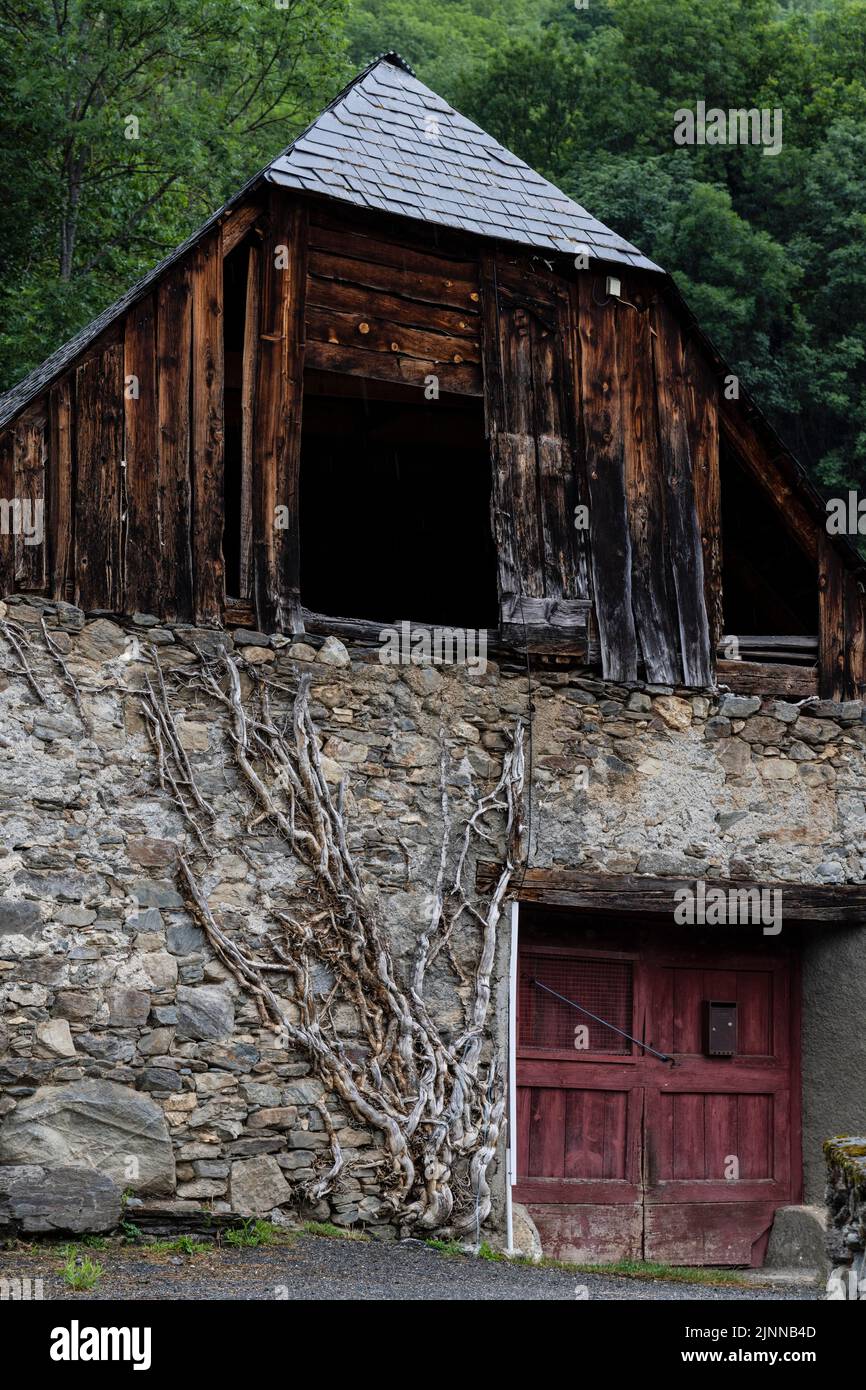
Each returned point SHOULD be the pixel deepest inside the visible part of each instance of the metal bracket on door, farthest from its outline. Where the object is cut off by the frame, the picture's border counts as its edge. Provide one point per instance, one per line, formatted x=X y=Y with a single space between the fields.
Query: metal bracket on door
x=662 y=1056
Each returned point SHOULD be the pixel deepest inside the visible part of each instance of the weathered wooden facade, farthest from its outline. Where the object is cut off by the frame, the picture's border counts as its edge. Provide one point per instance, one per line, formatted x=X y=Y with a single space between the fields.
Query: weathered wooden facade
x=399 y=377
x=171 y=440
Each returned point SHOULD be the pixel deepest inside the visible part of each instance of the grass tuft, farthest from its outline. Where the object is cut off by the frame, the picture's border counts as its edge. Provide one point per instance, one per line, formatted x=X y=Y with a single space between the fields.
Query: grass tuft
x=325 y=1228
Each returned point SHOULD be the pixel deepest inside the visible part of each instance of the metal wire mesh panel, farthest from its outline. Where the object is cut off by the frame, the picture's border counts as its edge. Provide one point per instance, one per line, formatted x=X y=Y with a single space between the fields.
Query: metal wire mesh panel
x=604 y=987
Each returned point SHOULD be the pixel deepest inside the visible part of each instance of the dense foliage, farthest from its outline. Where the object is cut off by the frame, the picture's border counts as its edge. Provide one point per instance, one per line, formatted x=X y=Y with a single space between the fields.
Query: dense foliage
x=769 y=251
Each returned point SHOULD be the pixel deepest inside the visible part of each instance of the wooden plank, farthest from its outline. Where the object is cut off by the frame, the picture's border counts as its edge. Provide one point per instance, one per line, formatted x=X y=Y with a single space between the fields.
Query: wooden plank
x=237 y=224
x=7 y=494
x=855 y=638
x=248 y=396
x=464 y=379
x=99 y=435
x=702 y=406
x=277 y=435
x=363 y=303
x=831 y=621
x=141 y=589
x=381 y=335
x=438 y=287
x=59 y=487
x=388 y=250
x=777 y=678
x=207 y=430
x=684 y=541
x=652 y=599
x=174 y=348
x=636 y=893
x=29 y=493
x=610 y=540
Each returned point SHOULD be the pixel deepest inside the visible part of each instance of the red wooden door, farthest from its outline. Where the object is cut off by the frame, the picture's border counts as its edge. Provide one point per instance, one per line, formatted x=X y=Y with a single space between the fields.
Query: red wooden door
x=623 y=1155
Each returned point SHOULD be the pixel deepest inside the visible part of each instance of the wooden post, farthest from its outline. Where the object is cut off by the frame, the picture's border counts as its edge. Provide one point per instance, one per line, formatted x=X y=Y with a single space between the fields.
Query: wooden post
x=7 y=493
x=59 y=487
x=99 y=427
x=207 y=430
x=248 y=390
x=29 y=492
x=174 y=350
x=141 y=410
x=831 y=620
x=277 y=434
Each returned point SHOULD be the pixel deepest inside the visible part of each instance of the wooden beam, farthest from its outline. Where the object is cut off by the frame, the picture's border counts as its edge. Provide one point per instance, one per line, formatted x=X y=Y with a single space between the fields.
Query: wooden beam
x=637 y=894
x=174 y=347
x=141 y=589
x=787 y=682
x=237 y=224
x=278 y=404
x=99 y=436
x=207 y=430
x=59 y=487
x=771 y=474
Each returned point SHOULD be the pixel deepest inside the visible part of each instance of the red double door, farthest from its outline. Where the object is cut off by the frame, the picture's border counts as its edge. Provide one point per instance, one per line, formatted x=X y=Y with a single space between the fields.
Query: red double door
x=624 y=1156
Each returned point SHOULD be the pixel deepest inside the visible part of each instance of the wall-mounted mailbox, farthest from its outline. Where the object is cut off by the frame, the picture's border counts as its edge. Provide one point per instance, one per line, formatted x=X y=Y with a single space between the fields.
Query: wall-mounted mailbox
x=720 y=1028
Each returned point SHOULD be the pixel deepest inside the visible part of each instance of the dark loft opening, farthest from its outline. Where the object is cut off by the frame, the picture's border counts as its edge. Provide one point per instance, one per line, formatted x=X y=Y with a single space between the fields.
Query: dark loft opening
x=395 y=505
x=234 y=313
x=769 y=586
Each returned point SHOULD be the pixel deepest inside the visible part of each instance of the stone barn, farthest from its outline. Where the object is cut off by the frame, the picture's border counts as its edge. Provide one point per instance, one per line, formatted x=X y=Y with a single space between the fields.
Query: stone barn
x=432 y=764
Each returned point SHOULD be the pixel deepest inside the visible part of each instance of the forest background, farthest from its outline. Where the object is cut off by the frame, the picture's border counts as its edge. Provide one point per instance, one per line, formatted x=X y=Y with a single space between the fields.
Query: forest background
x=770 y=252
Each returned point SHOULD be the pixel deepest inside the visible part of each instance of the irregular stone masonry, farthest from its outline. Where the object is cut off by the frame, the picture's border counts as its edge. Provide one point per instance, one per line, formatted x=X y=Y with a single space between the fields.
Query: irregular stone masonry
x=107 y=976
x=846 y=1199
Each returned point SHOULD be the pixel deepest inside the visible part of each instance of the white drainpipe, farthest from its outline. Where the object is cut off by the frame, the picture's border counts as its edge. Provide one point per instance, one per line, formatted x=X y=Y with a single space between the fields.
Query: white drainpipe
x=511 y=1151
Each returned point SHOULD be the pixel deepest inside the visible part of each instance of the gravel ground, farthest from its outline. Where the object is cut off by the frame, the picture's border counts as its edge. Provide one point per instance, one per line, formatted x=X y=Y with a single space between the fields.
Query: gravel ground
x=321 y=1268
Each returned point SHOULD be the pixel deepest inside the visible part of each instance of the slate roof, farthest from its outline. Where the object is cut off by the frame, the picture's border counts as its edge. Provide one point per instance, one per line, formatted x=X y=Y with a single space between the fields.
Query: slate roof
x=390 y=143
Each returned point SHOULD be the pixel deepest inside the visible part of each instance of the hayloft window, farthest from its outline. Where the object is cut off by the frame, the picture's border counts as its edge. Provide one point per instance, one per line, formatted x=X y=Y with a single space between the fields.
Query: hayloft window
x=395 y=504
x=769 y=586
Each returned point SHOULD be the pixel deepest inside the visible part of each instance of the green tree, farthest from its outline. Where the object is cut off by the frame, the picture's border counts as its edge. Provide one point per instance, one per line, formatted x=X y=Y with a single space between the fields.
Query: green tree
x=125 y=123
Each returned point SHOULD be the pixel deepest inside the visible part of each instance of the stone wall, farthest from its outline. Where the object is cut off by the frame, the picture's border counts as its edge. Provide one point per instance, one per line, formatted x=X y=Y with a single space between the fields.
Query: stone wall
x=846 y=1199
x=109 y=989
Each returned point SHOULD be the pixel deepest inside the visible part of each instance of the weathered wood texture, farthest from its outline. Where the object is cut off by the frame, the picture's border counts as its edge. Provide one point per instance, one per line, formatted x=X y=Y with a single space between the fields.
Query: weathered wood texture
x=831 y=611
x=529 y=373
x=763 y=678
x=7 y=494
x=802 y=902
x=652 y=591
x=29 y=493
x=277 y=433
x=610 y=536
x=59 y=488
x=174 y=368
x=389 y=307
x=702 y=415
x=686 y=553
x=99 y=487
x=141 y=585
x=207 y=430
x=248 y=396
